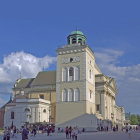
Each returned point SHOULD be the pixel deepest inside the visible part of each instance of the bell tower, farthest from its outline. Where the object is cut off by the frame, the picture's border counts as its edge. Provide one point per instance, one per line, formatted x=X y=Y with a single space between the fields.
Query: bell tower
x=75 y=81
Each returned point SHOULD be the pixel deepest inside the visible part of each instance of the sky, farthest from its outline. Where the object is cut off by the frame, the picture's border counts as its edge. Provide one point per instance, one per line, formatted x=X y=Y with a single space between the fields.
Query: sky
x=31 y=31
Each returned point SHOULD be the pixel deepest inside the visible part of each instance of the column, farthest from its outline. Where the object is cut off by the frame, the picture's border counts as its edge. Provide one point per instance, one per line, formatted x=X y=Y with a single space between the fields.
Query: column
x=102 y=104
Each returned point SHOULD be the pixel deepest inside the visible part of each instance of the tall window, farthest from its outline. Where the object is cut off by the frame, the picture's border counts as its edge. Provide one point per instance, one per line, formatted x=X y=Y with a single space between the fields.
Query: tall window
x=73 y=41
x=90 y=74
x=12 y=115
x=90 y=94
x=71 y=74
x=80 y=40
x=97 y=107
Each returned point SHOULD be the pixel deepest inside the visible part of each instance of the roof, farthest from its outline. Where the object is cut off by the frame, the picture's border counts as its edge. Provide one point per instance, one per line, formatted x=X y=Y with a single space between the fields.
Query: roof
x=76 y=32
x=45 y=78
x=24 y=83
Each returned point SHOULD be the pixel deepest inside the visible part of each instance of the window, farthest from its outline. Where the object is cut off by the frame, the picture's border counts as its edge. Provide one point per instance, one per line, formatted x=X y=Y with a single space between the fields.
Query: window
x=90 y=94
x=90 y=74
x=71 y=71
x=27 y=110
x=97 y=107
x=73 y=41
x=41 y=96
x=71 y=59
x=12 y=115
x=44 y=111
x=80 y=40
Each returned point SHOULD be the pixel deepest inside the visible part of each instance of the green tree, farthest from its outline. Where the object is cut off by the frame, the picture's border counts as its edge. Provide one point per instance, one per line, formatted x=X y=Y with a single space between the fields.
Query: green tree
x=138 y=118
x=134 y=120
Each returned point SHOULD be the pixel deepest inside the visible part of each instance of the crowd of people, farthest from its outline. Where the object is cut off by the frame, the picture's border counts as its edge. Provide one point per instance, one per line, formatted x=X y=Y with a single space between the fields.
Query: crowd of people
x=71 y=132
x=31 y=130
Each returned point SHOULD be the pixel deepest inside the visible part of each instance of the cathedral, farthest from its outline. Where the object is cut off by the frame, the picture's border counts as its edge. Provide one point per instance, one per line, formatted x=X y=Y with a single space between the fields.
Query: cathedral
x=76 y=94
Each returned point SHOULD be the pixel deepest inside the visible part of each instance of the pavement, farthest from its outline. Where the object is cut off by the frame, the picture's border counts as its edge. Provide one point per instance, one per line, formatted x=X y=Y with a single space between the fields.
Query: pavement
x=85 y=136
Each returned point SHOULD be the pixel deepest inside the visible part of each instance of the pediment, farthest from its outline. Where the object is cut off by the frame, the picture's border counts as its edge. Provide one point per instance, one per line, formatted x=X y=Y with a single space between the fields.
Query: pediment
x=112 y=83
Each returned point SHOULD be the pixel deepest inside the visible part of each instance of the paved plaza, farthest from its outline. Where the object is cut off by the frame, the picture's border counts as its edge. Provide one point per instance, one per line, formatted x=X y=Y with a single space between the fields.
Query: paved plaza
x=86 y=136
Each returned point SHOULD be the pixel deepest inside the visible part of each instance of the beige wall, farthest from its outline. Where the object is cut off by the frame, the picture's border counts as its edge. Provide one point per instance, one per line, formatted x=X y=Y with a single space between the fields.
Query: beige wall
x=66 y=111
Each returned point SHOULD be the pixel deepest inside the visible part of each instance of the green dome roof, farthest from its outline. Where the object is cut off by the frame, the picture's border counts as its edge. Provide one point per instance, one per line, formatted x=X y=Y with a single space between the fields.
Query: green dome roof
x=76 y=32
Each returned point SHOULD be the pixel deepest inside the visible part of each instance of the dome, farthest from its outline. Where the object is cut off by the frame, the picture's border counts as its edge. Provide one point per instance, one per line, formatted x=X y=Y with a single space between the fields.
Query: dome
x=76 y=32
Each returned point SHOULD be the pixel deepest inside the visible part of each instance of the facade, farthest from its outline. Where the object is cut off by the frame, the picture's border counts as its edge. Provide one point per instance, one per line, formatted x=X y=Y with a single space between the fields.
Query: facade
x=76 y=94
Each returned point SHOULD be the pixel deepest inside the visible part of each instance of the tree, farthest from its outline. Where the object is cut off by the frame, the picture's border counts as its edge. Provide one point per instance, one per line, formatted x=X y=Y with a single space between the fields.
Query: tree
x=134 y=120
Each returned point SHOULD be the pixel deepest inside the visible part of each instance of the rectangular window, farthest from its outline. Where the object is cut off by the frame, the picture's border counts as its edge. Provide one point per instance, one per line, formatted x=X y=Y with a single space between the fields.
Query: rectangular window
x=41 y=96
x=97 y=107
x=12 y=115
x=90 y=94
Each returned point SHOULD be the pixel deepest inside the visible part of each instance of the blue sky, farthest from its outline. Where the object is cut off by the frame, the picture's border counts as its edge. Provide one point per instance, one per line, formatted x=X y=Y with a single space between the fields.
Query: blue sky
x=34 y=29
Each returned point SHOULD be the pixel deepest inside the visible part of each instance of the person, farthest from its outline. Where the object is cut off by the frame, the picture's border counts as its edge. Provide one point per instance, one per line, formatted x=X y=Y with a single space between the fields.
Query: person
x=70 y=130
x=67 y=132
x=129 y=132
x=34 y=131
x=76 y=133
x=73 y=133
x=8 y=134
x=24 y=134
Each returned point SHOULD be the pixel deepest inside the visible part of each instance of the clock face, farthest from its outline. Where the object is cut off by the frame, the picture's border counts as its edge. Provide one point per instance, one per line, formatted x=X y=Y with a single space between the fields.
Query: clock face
x=71 y=60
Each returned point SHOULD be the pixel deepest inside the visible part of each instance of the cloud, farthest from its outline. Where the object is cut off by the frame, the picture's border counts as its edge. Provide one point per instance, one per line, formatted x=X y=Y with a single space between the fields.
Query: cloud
x=24 y=63
x=127 y=78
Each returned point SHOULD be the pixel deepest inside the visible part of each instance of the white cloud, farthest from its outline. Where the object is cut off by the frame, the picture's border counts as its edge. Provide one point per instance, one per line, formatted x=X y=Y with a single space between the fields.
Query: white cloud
x=25 y=63
x=127 y=77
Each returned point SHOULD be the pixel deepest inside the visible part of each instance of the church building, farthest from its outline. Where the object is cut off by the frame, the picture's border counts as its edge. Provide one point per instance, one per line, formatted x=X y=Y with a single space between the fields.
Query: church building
x=76 y=94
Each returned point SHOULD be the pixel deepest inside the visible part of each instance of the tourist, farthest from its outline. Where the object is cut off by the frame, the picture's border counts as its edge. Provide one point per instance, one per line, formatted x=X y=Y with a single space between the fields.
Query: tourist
x=70 y=131
x=129 y=132
x=24 y=134
x=8 y=134
x=76 y=133
x=73 y=133
x=67 y=132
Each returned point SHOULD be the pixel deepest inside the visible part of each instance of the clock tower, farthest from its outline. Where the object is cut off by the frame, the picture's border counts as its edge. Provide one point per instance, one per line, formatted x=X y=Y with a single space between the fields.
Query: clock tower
x=75 y=82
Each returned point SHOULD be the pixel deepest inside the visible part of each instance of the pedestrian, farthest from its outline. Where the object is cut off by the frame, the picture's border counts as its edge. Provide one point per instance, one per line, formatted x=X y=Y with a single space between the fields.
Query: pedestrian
x=70 y=131
x=67 y=132
x=76 y=133
x=129 y=132
x=24 y=134
x=8 y=134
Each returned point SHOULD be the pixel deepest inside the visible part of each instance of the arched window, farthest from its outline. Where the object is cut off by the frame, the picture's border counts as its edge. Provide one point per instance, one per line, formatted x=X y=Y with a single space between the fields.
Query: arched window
x=73 y=41
x=77 y=73
x=80 y=40
x=64 y=74
x=77 y=94
x=64 y=95
x=71 y=95
x=27 y=110
x=71 y=74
